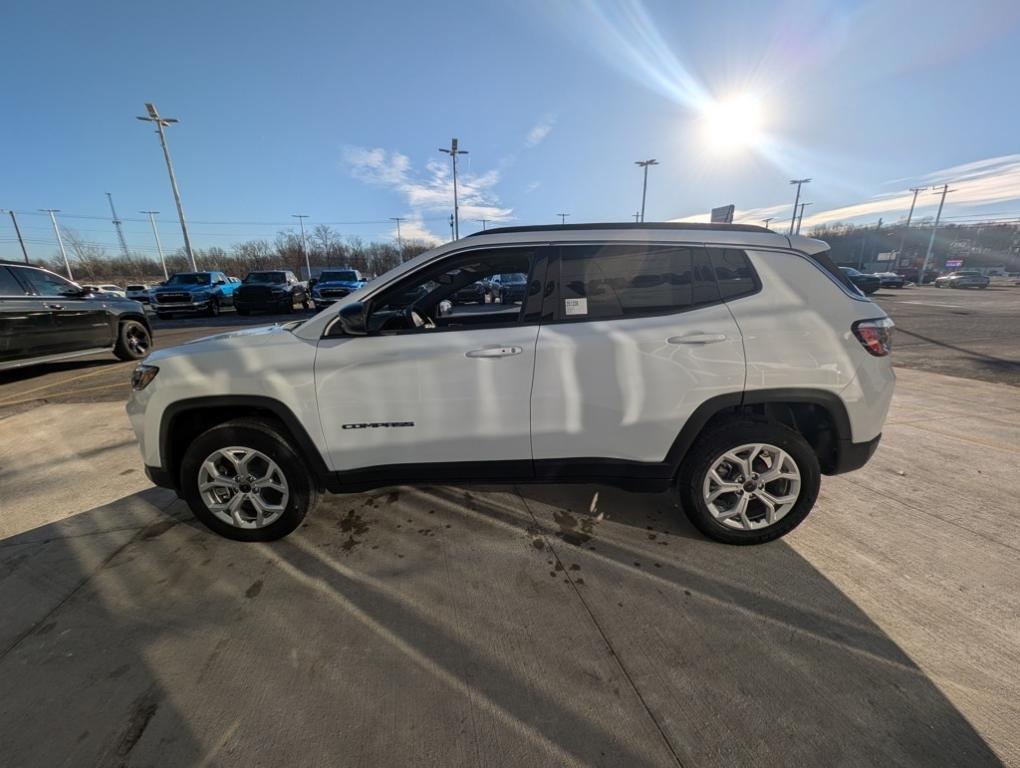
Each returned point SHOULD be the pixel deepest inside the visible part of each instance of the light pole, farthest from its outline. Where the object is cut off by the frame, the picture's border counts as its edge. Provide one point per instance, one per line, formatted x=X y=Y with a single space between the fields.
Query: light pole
x=796 y=201
x=931 y=241
x=400 y=243
x=644 y=186
x=304 y=244
x=159 y=245
x=453 y=152
x=17 y=231
x=800 y=217
x=910 y=215
x=563 y=218
x=161 y=123
x=482 y=222
x=60 y=240
x=766 y=221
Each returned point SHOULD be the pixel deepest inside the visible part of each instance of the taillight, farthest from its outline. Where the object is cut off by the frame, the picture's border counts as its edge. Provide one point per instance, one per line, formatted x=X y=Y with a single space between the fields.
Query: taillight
x=875 y=335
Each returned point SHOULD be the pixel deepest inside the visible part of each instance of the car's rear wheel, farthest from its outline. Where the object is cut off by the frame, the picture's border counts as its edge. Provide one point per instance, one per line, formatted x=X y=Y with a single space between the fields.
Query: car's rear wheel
x=133 y=340
x=749 y=482
x=245 y=481
x=214 y=307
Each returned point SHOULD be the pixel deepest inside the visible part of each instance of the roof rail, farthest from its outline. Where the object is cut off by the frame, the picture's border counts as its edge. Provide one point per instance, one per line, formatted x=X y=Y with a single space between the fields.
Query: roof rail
x=670 y=225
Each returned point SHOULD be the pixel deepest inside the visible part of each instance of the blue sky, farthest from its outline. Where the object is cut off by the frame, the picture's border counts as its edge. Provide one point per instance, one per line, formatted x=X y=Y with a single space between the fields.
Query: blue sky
x=337 y=110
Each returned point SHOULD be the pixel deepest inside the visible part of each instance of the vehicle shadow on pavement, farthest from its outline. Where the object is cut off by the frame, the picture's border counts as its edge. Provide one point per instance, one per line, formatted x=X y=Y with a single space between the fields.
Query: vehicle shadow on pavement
x=441 y=626
x=34 y=371
x=990 y=361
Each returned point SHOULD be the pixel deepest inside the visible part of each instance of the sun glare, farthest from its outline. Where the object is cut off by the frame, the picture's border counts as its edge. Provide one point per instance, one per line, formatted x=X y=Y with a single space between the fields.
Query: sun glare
x=733 y=124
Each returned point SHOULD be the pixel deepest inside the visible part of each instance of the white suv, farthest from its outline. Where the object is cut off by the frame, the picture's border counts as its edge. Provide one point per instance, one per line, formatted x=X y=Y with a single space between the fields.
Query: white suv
x=732 y=363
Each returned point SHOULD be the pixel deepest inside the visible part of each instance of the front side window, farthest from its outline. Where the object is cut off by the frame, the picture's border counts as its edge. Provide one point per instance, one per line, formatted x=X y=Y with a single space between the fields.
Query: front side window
x=189 y=278
x=48 y=284
x=338 y=276
x=454 y=293
x=264 y=277
x=610 y=281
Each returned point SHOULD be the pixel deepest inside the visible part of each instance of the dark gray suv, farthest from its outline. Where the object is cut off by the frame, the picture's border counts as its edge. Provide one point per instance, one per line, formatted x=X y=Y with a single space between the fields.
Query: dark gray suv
x=45 y=317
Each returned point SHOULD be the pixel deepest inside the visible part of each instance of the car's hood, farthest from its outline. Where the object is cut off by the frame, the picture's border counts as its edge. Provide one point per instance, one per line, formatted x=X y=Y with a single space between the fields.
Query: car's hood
x=220 y=343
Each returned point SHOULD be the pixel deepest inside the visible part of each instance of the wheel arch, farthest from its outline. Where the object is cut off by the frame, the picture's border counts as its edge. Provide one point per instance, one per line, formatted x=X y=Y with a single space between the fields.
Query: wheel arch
x=820 y=416
x=185 y=420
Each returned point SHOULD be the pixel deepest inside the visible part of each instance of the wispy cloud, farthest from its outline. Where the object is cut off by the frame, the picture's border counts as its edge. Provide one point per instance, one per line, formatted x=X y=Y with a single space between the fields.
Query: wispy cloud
x=982 y=183
x=540 y=130
x=429 y=190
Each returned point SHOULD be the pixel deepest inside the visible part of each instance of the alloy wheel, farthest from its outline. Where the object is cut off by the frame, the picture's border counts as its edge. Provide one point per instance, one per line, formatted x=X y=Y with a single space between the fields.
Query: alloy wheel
x=243 y=487
x=752 y=486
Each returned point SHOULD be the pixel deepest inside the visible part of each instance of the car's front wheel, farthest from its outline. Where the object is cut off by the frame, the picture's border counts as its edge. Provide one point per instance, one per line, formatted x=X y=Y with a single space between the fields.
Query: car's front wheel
x=245 y=481
x=749 y=482
x=214 y=307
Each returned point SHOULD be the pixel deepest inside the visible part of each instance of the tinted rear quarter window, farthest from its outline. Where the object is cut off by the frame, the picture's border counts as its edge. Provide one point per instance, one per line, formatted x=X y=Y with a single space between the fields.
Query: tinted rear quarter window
x=823 y=260
x=611 y=281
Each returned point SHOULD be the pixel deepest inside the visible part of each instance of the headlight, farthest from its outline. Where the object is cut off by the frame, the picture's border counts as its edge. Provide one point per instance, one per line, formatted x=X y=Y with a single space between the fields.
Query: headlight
x=142 y=376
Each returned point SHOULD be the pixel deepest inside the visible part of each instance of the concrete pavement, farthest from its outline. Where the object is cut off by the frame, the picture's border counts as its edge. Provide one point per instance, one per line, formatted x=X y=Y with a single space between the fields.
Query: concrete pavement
x=517 y=625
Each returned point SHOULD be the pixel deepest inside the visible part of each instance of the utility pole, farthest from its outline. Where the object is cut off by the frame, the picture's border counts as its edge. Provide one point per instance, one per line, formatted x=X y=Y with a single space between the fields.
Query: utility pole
x=120 y=230
x=304 y=243
x=17 y=231
x=400 y=242
x=452 y=230
x=796 y=201
x=637 y=217
x=60 y=241
x=161 y=123
x=644 y=186
x=766 y=221
x=453 y=152
x=931 y=241
x=159 y=245
x=563 y=218
x=482 y=222
x=800 y=217
x=910 y=215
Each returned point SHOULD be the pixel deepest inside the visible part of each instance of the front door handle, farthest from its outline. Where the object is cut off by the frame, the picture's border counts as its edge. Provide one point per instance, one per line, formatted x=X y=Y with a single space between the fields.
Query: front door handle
x=697 y=338
x=495 y=352
x=54 y=306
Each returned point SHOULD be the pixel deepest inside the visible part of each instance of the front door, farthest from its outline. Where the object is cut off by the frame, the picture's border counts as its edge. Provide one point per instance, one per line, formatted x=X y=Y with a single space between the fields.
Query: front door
x=27 y=328
x=441 y=386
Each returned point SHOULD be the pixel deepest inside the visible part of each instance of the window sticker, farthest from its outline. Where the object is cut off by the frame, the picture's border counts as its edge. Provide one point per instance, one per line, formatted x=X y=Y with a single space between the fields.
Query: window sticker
x=575 y=307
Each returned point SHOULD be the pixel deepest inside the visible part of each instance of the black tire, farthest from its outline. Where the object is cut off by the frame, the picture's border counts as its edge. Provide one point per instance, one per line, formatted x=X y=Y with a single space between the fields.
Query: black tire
x=288 y=305
x=712 y=445
x=214 y=307
x=267 y=438
x=243 y=311
x=133 y=340
x=305 y=304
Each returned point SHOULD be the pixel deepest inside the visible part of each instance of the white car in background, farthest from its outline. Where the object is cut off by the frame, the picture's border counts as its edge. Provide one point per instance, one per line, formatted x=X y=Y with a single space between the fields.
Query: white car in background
x=107 y=288
x=138 y=292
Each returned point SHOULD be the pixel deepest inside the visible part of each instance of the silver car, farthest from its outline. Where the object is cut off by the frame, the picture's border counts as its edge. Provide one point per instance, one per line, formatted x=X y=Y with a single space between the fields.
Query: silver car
x=964 y=279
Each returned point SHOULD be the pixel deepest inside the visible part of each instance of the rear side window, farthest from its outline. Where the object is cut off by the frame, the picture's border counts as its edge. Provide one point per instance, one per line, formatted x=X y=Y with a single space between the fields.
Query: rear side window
x=9 y=285
x=610 y=281
x=733 y=272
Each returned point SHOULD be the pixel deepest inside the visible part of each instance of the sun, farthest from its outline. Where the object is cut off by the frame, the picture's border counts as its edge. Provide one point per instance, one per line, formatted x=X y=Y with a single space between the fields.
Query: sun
x=734 y=123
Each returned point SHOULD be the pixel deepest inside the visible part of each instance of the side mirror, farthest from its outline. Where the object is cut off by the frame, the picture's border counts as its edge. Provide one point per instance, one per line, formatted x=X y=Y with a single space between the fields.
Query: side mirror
x=354 y=319
x=220 y=282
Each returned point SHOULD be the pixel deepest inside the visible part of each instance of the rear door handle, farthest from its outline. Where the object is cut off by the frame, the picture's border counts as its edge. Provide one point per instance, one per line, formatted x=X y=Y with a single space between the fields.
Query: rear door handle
x=697 y=338
x=54 y=306
x=495 y=352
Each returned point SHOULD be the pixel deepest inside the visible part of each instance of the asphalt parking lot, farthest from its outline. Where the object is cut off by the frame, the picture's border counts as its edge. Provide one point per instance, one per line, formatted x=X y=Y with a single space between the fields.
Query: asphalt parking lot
x=521 y=625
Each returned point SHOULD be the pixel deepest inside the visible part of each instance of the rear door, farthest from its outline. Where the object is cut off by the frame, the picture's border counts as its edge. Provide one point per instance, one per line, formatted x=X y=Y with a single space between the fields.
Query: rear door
x=442 y=402
x=82 y=322
x=638 y=339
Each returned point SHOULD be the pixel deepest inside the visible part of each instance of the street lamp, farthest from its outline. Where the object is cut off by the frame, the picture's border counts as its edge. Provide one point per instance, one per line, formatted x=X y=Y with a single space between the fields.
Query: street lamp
x=644 y=186
x=453 y=152
x=159 y=245
x=161 y=123
x=796 y=201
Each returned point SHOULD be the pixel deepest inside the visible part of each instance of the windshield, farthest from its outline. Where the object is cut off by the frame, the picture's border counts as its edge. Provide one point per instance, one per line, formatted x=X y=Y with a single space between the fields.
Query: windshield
x=186 y=278
x=265 y=277
x=339 y=275
x=516 y=277
x=850 y=271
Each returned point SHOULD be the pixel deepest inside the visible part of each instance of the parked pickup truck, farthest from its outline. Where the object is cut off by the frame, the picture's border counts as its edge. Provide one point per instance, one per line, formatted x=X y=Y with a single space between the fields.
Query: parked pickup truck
x=193 y=292
x=334 y=284
x=271 y=290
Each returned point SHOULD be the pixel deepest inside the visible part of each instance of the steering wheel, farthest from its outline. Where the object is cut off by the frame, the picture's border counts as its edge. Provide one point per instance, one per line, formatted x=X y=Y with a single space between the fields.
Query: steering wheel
x=416 y=319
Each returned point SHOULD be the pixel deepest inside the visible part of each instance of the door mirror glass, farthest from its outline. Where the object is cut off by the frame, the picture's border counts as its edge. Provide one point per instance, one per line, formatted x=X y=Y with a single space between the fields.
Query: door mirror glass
x=353 y=319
